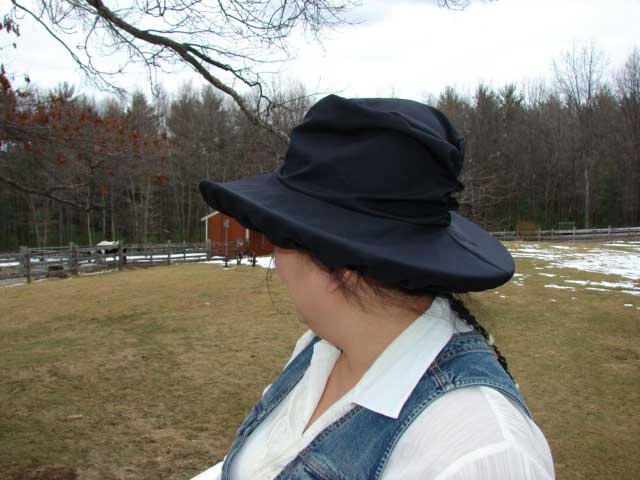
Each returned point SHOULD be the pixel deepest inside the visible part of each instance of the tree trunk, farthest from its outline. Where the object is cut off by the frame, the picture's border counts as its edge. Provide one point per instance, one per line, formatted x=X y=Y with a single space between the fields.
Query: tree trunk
x=587 y=196
x=60 y=225
x=89 y=228
x=189 y=219
x=135 y=215
x=104 y=218
x=113 y=218
x=145 y=215
x=45 y=222
x=34 y=218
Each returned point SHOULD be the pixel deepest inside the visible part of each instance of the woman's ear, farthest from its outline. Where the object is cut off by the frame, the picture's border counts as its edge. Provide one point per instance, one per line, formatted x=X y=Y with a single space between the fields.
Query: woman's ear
x=340 y=277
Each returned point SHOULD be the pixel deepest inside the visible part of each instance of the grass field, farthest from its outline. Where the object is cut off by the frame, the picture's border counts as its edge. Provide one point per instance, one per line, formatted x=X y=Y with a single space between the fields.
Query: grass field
x=145 y=374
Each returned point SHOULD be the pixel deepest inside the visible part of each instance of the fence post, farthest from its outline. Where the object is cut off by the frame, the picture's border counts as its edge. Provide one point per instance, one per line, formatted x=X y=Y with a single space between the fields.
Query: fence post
x=552 y=234
x=538 y=234
x=75 y=265
x=225 y=225
x=169 y=252
x=120 y=256
x=26 y=260
x=208 y=249
x=184 y=251
x=609 y=233
x=574 y=232
x=151 y=255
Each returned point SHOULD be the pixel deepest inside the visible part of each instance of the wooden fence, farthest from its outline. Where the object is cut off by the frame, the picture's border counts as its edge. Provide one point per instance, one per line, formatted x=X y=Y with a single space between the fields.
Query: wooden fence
x=35 y=263
x=569 y=235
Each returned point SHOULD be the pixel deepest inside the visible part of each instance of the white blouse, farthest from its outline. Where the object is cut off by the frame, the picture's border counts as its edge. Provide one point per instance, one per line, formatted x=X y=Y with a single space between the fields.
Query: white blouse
x=469 y=433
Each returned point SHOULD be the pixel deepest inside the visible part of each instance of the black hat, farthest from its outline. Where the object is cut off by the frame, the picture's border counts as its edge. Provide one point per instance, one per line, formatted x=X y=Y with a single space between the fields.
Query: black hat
x=366 y=184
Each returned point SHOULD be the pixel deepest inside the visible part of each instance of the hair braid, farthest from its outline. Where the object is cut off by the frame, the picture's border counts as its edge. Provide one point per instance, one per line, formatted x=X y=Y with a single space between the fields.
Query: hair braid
x=463 y=312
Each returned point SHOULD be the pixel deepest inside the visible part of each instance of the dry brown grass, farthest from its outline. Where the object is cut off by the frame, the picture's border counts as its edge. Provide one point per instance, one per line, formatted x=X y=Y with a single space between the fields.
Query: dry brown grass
x=154 y=360
x=156 y=364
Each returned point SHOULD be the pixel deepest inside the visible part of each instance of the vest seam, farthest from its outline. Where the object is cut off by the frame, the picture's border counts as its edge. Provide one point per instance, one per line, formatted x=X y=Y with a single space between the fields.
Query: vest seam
x=415 y=413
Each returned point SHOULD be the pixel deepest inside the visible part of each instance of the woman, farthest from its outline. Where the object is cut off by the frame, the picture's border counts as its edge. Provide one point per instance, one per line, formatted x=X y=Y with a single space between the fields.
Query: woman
x=395 y=378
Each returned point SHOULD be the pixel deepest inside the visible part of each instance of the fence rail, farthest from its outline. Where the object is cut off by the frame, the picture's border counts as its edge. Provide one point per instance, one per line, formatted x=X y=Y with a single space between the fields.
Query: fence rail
x=569 y=235
x=35 y=263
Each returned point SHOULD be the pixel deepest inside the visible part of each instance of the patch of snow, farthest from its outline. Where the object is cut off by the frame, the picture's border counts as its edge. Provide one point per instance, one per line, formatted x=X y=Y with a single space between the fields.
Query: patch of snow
x=9 y=264
x=632 y=292
x=628 y=304
x=264 y=262
x=562 y=287
x=99 y=272
x=594 y=260
x=553 y=300
x=629 y=285
x=615 y=263
x=562 y=247
x=548 y=274
x=529 y=250
x=598 y=289
x=531 y=253
x=620 y=243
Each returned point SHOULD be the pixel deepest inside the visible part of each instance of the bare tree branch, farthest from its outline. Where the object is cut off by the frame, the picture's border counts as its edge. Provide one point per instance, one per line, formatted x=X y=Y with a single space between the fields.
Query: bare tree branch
x=189 y=54
x=49 y=193
x=224 y=41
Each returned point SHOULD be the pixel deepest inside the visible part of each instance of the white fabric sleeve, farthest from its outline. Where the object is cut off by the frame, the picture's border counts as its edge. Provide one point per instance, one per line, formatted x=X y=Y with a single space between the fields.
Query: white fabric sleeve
x=471 y=433
x=496 y=462
x=213 y=473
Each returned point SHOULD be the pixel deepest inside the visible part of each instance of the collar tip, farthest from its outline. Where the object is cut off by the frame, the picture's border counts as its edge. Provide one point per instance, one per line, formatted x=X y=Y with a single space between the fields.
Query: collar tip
x=387 y=412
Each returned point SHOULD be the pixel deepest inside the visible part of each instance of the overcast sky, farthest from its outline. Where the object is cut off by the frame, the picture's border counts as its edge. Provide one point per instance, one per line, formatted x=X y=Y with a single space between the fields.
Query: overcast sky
x=408 y=48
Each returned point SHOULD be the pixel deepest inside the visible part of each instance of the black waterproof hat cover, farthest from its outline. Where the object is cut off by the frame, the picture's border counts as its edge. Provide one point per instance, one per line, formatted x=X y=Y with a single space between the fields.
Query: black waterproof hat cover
x=366 y=184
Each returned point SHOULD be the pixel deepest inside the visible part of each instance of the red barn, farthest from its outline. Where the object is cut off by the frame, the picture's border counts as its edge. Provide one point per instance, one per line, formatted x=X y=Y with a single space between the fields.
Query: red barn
x=227 y=235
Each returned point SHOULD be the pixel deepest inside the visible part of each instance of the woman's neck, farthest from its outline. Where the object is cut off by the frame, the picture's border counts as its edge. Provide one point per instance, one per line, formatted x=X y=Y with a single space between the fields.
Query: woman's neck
x=362 y=335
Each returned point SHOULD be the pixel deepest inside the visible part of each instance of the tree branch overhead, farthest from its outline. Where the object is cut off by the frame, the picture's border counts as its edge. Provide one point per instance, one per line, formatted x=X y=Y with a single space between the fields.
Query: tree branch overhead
x=224 y=41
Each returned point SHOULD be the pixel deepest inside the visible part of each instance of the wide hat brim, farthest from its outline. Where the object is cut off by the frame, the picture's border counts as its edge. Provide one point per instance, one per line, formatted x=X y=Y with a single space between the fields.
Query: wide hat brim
x=461 y=257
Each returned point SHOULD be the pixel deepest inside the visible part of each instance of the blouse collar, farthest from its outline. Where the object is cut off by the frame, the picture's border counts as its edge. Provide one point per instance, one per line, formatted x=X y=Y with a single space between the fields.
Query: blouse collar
x=388 y=383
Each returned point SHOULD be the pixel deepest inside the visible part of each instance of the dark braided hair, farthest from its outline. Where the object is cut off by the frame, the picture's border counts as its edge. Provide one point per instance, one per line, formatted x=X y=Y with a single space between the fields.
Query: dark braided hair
x=463 y=312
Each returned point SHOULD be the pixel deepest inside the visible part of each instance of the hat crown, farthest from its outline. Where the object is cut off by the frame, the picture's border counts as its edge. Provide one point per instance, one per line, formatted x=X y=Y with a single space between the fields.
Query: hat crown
x=391 y=158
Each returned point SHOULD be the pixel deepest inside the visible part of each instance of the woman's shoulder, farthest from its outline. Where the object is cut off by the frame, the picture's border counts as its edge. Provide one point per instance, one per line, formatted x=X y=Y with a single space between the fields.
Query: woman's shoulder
x=472 y=432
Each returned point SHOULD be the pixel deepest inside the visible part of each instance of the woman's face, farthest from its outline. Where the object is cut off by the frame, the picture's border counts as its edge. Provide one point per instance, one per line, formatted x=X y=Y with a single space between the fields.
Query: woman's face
x=306 y=282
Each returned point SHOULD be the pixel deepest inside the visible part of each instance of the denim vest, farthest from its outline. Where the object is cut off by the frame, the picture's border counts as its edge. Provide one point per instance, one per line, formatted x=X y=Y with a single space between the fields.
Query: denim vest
x=358 y=445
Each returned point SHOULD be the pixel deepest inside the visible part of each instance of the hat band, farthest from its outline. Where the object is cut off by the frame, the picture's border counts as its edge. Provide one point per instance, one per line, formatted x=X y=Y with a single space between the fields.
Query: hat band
x=418 y=211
